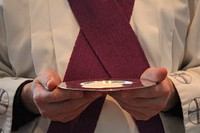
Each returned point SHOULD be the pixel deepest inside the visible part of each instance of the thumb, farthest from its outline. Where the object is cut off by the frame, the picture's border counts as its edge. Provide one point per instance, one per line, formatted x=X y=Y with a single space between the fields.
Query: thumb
x=154 y=74
x=52 y=83
x=49 y=80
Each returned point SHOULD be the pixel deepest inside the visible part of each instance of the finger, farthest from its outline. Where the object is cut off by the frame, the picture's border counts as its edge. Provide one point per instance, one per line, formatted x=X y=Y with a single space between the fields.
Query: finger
x=43 y=96
x=142 y=113
x=64 y=111
x=137 y=115
x=67 y=106
x=49 y=80
x=153 y=103
x=139 y=112
x=68 y=115
x=53 y=83
x=154 y=74
x=59 y=95
x=150 y=92
x=65 y=117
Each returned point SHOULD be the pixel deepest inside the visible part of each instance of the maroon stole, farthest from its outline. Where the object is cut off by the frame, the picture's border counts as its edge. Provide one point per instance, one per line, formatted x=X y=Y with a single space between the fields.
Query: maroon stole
x=106 y=47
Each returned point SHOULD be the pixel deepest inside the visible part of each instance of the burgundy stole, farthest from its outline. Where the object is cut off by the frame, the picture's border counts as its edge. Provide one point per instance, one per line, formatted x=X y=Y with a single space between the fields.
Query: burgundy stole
x=106 y=47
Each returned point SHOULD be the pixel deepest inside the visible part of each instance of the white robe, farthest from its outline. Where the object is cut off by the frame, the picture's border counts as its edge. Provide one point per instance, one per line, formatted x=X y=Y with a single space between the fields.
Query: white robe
x=37 y=35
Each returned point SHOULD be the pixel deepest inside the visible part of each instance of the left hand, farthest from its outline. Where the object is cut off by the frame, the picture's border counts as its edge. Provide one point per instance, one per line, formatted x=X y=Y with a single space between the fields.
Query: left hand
x=144 y=103
x=43 y=96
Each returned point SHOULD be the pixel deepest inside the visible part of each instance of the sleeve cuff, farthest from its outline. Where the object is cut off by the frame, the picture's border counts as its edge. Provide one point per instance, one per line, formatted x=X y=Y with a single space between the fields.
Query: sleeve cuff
x=188 y=88
x=21 y=115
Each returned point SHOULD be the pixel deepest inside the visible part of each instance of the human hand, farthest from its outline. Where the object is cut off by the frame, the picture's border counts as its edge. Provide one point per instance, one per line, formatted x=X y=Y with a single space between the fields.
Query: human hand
x=144 y=103
x=44 y=97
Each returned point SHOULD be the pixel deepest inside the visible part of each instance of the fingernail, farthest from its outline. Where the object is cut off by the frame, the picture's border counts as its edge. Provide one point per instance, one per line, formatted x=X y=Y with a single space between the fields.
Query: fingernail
x=49 y=85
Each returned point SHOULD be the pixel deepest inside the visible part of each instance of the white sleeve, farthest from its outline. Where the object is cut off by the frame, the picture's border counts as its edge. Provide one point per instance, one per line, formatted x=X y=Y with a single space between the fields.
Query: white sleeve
x=187 y=81
x=8 y=87
x=8 y=82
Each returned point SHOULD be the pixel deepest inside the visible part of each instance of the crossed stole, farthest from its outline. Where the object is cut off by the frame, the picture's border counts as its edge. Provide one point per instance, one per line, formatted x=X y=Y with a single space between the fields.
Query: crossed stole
x=106 y=48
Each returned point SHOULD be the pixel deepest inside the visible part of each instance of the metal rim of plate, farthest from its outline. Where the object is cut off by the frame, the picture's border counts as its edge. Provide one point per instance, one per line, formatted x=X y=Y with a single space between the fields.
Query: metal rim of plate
x=106 y=85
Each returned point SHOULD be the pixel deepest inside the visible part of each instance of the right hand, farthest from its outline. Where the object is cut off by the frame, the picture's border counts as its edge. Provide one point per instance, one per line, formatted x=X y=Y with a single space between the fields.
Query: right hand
x=145 y=103
x=44 y=97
